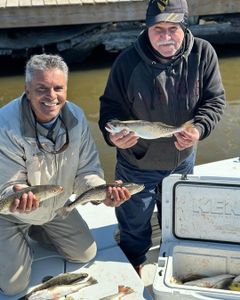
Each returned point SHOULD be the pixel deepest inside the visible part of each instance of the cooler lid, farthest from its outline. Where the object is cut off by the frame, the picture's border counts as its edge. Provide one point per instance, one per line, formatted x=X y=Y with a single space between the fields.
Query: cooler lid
x=200 y=209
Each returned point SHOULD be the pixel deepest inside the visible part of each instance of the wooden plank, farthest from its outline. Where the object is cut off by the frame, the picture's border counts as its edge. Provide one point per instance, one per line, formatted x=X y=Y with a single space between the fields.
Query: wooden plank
x=88 y=1
x=75 y=1
x=73 y=14
x=50 y=2
x=3 y=3
x=49 y=12
x=12 y=3
x=37 y=2
x=25 y=3
x=62 y=2
x=100 y=1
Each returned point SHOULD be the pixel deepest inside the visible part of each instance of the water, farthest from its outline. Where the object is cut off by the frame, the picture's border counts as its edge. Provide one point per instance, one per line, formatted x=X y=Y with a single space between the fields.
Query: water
x=87 y=82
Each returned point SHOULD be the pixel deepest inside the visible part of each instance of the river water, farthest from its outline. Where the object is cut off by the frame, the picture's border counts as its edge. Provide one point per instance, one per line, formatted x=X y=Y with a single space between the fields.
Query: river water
x=87 y=82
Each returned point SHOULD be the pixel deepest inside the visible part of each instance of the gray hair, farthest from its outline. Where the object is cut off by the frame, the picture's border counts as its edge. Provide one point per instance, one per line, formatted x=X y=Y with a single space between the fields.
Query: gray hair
x=44 y=62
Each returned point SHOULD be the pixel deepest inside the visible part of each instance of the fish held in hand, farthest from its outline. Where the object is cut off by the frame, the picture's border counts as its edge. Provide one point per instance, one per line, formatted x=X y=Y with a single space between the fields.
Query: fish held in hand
x=41 y=192
x=145 y=129
x=97 y=194
x=122 y=291
x=60 y=284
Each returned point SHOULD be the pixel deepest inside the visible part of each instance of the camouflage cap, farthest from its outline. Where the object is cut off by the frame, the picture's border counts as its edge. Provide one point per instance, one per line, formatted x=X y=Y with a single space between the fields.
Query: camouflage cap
x=175 y=11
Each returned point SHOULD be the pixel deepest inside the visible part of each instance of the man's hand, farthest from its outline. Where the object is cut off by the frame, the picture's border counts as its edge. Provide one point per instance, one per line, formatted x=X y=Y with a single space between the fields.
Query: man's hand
x=26 y=203
x=186 y=138
x=116 y=195
x=123 y=139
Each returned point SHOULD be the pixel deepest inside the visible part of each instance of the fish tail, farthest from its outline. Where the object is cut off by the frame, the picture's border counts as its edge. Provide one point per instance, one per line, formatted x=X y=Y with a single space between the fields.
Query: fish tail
x=92 y=281
x=63 y=211
x=188 y=124
x=126 y=290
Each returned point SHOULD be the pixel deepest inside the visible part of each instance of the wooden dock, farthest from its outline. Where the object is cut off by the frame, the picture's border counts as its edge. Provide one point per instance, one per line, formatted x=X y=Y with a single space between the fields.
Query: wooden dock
x=38 y=13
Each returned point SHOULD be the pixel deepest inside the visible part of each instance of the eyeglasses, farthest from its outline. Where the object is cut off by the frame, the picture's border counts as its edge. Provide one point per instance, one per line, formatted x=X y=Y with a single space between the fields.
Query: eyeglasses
x=40 y=146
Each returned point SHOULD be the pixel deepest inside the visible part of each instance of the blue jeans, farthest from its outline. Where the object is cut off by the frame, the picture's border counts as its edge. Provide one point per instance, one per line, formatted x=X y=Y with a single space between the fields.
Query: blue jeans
x=134 y=215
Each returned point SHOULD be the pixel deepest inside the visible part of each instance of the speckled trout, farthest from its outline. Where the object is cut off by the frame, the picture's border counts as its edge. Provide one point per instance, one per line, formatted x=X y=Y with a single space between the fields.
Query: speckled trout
x=42 y=192
x=60 y=286
x=97 y=194
x=145 y=129
x=218 y=282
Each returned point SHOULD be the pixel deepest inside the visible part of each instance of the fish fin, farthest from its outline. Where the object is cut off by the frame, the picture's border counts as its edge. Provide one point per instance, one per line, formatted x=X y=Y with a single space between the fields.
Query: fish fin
x=108 y=129
x=63 y=212
x=175 y=280
x=92 y=280
x=126 y=290
x=188 y=124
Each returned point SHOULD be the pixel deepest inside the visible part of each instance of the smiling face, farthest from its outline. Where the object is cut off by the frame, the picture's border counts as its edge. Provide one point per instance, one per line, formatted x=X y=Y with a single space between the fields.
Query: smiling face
x=166 y=38
x=47 y=93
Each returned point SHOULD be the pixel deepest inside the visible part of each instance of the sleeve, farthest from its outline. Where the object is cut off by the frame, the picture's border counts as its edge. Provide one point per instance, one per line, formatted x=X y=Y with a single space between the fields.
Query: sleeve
x=213 y=99
x=89 y=172
x=114 y=103
x=12 y=161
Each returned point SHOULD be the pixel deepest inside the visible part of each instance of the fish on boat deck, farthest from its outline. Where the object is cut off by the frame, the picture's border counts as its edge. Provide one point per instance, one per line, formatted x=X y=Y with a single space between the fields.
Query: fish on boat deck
x=97 y=194
x=60 y=286
x=41 y=192
x=145 y=129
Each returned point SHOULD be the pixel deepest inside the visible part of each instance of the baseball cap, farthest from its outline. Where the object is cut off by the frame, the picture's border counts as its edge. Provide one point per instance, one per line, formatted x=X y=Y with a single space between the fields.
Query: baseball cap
x=175 y=11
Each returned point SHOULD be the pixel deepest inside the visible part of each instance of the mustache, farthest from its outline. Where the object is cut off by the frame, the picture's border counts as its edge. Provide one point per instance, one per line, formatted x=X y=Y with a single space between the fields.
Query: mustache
x=161 y=43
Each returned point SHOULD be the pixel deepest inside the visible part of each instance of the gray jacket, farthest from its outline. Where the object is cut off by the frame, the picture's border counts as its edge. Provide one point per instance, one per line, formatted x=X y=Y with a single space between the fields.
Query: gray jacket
x=21 y=161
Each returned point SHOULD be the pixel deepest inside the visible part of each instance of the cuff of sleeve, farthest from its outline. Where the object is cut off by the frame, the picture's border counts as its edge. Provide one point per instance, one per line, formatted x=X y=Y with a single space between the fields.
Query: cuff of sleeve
x=200 y=129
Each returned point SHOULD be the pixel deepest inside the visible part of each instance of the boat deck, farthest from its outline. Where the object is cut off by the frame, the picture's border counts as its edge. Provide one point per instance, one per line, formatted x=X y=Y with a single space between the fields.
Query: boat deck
x=111 y=267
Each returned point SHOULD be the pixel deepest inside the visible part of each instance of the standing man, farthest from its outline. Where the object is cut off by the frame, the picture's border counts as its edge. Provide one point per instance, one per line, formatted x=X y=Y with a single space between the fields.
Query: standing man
x=170 y=76
x=44 y=139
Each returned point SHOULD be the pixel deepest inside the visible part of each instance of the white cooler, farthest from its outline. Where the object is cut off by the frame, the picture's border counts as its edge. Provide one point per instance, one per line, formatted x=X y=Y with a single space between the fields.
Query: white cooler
x=200 y=235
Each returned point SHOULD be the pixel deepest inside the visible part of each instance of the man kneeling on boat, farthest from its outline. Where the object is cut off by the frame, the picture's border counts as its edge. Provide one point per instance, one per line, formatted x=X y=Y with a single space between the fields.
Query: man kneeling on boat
x=45 y=143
